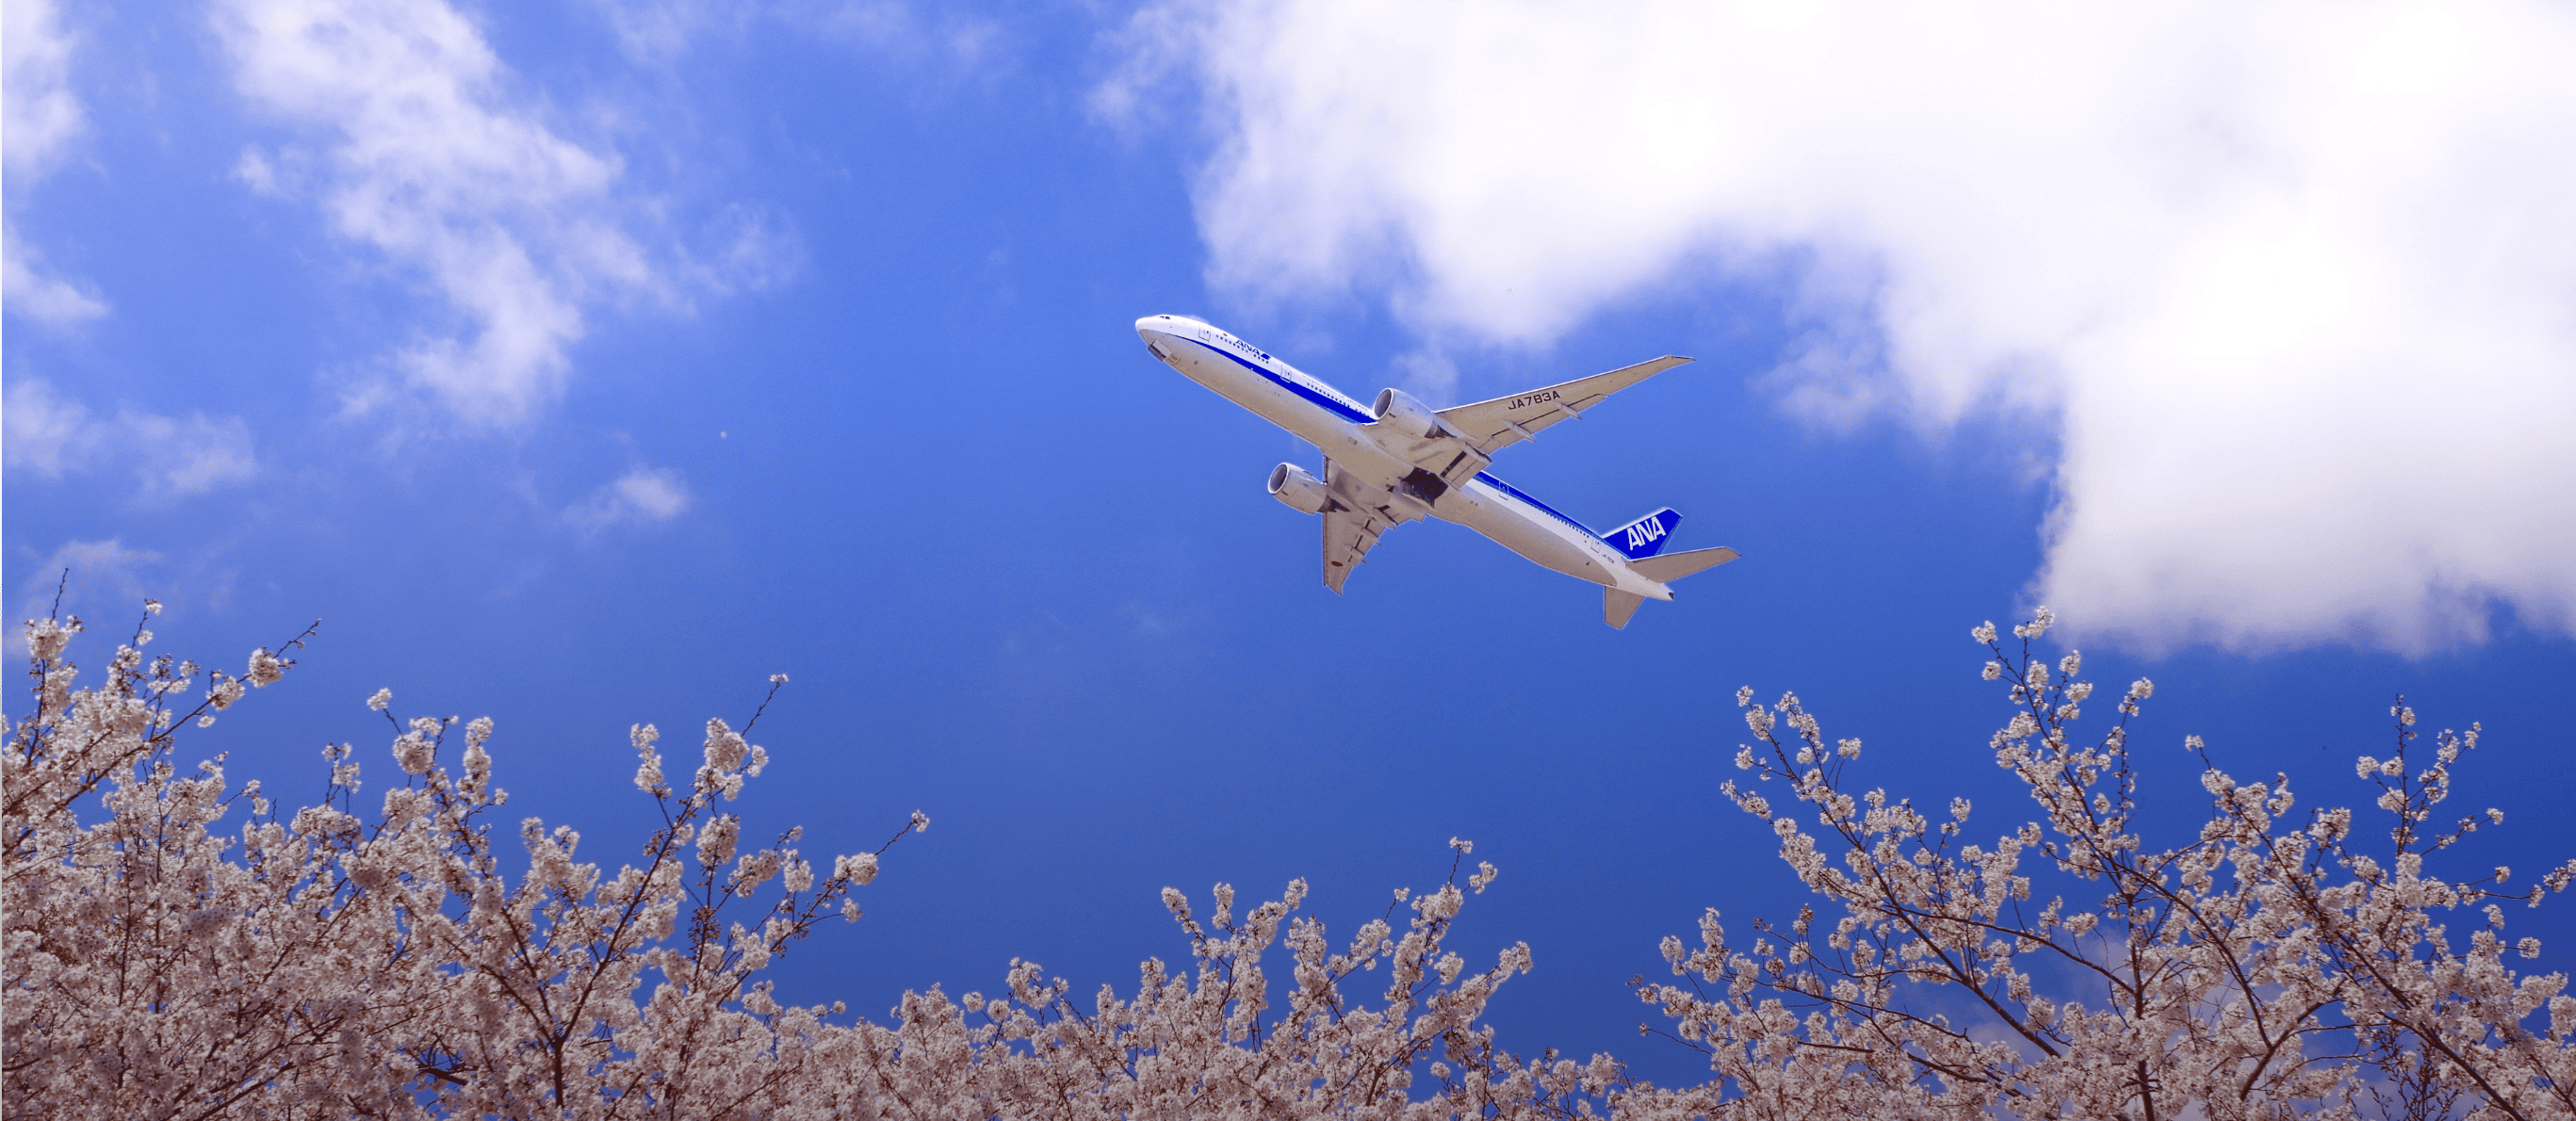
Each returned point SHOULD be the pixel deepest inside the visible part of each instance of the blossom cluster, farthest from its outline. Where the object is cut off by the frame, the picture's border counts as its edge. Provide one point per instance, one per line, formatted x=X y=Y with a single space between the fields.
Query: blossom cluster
x=176 y=946
x=342 y=960
x=164 y=961
x=2271 y=965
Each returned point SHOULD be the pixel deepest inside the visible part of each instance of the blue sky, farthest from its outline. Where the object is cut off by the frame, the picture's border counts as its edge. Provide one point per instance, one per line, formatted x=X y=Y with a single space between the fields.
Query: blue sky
x=583 y=364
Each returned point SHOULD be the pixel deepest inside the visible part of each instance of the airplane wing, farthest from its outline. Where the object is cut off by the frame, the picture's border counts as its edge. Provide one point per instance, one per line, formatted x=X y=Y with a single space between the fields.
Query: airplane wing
x=1489 y=426
x=1350 y=529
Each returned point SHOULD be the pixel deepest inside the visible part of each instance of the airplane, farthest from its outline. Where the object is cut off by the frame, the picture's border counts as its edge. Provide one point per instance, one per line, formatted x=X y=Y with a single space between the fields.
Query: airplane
x=1398 y=461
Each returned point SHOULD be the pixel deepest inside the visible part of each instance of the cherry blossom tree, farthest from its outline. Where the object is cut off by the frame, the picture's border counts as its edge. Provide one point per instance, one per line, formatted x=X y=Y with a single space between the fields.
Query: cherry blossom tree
x=177 y=946
x=330 y=962
x=2274 y=964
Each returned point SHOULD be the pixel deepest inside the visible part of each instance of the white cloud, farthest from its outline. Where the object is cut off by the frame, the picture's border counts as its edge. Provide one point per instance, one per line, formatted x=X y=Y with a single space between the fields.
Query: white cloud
x=749 y=248
x=2293 y=279
x=940 y=36
x=943 y=41
x=192 y=454
x=658 y=29
x=43 y=433
x=100 y=574
x=430 y=160
x=39 y=114
x=257 y=171
x=28 y=291
x=1428 y=374
x=641 y=496
x=169 y=456
x=39 y=120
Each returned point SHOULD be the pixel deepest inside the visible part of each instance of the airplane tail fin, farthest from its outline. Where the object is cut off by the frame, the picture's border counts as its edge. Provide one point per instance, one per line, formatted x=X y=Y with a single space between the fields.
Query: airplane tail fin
x=1645 y=536
x=1673 y=566
x=1617 y=606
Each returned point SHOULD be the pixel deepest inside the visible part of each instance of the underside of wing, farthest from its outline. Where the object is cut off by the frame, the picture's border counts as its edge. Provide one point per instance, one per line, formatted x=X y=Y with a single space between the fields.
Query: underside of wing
x=1348 y=536
x=1351 y=529
x=1488 y=426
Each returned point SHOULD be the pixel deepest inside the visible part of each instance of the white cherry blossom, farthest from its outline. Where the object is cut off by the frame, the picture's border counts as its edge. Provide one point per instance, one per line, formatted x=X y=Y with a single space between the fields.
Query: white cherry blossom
x=178 y=947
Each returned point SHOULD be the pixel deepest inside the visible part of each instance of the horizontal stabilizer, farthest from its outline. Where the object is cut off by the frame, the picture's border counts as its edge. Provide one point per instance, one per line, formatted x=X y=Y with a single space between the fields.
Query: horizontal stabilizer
x=1617 y=606
x=1646 y=536
x=1673 y=566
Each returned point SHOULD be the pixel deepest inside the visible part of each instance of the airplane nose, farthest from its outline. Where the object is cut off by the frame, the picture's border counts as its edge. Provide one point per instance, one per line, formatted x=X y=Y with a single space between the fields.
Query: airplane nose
x=1173 y=325
x=1155 y=329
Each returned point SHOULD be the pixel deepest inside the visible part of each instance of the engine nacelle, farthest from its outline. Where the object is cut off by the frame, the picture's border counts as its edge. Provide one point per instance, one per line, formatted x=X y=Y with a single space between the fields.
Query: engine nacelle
x=1302 y=492
x=1398 y=410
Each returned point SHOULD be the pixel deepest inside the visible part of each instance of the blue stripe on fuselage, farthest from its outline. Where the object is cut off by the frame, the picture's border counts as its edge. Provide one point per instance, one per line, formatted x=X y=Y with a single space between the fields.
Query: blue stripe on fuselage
x=1342 y=409
x=1348 y=412
x=1488 y=479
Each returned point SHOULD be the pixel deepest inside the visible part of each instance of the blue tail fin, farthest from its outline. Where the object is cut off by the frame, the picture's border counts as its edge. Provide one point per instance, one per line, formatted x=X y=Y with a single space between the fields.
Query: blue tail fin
x=1645 y=536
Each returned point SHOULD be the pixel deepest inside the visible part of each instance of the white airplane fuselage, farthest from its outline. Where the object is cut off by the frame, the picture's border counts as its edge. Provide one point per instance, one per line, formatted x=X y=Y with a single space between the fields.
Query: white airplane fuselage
x=1367 y=450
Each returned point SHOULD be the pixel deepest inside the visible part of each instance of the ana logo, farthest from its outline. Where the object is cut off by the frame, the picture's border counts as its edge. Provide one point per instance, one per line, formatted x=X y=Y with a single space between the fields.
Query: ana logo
x=1645 y=533
x=1245 y=347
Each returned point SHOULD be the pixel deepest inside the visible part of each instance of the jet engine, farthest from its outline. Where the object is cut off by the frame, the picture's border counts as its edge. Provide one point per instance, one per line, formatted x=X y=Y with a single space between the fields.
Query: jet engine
x=1304 y=493
x=1399 y=411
